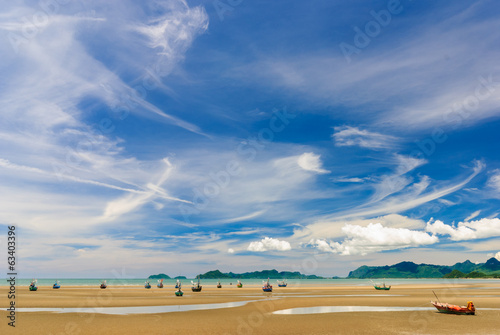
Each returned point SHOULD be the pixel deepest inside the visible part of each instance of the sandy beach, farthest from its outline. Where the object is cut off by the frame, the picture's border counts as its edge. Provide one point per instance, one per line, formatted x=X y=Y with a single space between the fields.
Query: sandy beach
x=255 y=315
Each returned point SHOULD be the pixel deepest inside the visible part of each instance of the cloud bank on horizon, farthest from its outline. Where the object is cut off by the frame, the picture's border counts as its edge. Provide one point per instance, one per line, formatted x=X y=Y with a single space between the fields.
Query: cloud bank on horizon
x=135 y=135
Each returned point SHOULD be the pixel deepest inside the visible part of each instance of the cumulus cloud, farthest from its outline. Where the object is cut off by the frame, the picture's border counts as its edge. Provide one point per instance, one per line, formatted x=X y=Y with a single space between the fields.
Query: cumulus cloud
x=346 y=136
x=374 y=238
x=269 y=243
x=332 y=229
x=472 y=230
x=311 y=162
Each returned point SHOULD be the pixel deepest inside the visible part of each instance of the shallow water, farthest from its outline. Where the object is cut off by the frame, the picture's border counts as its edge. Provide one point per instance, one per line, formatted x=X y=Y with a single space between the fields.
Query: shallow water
x=138 y=309
x=345 y=309
x=292 y=283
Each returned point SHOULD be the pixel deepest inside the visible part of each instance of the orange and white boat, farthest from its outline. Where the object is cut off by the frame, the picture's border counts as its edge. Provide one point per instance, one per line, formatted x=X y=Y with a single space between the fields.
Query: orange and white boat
x=455 y=309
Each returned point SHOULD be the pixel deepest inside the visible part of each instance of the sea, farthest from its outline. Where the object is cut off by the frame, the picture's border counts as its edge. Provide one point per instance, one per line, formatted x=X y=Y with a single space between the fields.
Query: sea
x=247 y=282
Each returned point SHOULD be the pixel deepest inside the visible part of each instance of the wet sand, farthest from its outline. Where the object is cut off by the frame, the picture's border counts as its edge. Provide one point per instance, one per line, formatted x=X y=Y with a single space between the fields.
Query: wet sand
x=255 y=316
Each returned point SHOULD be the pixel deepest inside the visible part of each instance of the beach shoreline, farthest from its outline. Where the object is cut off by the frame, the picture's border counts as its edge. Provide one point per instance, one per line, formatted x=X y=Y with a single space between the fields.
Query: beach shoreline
x=253 y=313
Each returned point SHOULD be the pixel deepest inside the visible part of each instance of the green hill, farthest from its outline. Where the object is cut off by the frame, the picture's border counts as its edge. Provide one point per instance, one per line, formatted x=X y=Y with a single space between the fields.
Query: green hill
x=272 y=274
x=159 y=276
x=411 y=270
x=455 y=274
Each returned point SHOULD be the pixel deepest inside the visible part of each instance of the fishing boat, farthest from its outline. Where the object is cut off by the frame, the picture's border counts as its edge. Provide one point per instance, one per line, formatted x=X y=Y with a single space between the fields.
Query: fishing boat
x=382 y=287
x=196 y=285
x=103 y=284
x=282 y=283
x=239 y=285
x=160 y=283
x=56 y=285
x=218 y=284
x=267 y=287
x=179 y=292
x=177 y=284
x=33 y=286
x=147 y=284
x=455 y=309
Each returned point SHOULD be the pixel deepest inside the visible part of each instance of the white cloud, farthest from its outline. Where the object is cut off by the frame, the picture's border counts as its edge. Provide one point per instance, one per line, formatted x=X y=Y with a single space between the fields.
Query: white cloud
x=494 y=180
x=398 y=87
x=446 y=202
x=311 y=162
x=473 y=215
x=409 y=200
x=334 y=229
x=374 y=238
x=230 y=251
x=353 y=136
x=267 y=244
x=497 y=255
x=397 y=181
x=472 y=230
x=349 y=180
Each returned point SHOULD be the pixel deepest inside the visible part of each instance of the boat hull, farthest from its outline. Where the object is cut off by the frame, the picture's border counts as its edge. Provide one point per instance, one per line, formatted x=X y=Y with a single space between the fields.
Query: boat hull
x=196 y=289
x=33 y=288
x=453 y=309
x=179 y=294
x=282 y=285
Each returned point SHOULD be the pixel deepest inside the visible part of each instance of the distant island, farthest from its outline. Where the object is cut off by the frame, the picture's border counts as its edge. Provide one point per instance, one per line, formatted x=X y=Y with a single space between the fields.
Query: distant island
x=271 y=274
x=159 y=276
x=467 y=269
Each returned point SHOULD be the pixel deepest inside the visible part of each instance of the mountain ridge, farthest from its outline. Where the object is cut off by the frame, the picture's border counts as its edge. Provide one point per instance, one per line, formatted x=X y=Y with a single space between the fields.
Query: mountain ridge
x=412 y=270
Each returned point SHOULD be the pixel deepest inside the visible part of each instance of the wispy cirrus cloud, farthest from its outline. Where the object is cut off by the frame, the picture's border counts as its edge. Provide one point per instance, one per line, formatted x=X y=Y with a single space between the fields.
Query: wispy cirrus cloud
x=346 y=136
x=397 y=85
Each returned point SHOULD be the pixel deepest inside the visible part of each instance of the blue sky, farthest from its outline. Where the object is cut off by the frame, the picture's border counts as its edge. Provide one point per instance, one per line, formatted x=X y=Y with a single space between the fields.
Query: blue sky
x=186 y=136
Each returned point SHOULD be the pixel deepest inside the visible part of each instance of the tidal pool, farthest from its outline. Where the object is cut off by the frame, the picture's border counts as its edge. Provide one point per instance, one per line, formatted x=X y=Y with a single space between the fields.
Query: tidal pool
x=344 y=309
x=138 y=309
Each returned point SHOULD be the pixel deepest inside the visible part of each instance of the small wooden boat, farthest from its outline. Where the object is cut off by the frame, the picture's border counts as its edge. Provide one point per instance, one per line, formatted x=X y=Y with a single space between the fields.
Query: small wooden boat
x=56 y=285
x=382 y=287
x=218 y=284
x=282 y=283
x=160 y=283
x=147 y=285
x=179 y=292
x=103 y=284
x=196 y=286
x=177 y=283
x=267 y=287
x=455 y=309
x=239 y=285
x=33 y=286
